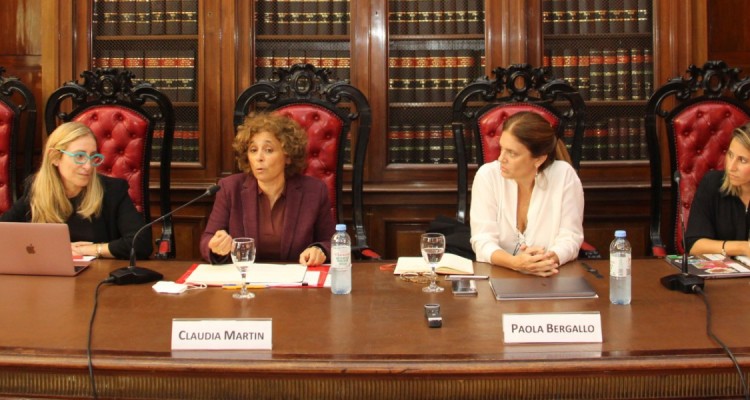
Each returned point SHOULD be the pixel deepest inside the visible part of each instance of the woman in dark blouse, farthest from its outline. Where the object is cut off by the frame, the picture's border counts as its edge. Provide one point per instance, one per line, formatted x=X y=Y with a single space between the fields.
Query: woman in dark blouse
x=718 y=220
x=99 y=213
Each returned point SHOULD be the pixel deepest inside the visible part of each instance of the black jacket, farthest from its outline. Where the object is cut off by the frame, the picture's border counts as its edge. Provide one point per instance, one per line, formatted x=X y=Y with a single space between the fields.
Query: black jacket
x=116 y=225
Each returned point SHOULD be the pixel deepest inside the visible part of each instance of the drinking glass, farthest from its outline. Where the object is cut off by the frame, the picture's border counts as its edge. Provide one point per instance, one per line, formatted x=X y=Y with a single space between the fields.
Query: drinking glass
x=243 y=255
x=433 y=247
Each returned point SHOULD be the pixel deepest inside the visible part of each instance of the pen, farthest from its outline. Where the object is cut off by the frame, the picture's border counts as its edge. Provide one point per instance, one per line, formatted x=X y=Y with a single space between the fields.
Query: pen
x=591 y=270
x=239 y=286
x=465 y=277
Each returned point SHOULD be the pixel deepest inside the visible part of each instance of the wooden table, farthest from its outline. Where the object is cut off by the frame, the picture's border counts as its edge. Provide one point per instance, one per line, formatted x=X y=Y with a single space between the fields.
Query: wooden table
x=374 y=343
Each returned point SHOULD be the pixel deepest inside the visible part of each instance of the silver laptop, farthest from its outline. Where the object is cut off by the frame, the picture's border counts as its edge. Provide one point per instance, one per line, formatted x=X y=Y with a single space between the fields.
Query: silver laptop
x=37 y=249
x=535 y=288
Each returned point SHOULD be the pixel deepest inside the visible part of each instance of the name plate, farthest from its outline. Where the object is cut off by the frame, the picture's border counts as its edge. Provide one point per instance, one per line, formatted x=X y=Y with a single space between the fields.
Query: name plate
x=221 y=334
x=553 y=328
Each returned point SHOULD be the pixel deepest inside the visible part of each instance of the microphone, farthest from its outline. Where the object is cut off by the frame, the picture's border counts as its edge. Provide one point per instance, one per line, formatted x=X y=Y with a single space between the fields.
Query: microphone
x=684 y=281
x=133 y=274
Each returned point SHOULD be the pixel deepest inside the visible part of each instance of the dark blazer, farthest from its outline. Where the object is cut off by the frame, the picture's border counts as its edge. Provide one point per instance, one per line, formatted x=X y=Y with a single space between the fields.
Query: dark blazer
x=307 y=219
x=116 y=225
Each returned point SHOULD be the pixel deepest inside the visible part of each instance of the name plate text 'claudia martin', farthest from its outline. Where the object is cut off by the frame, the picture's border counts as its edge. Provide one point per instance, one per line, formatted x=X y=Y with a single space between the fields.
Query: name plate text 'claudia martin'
x=552 y=328
x=221 y=334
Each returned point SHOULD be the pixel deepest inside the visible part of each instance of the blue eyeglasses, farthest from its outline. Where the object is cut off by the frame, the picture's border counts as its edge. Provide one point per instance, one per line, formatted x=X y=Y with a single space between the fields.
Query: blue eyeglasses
x=80 y=157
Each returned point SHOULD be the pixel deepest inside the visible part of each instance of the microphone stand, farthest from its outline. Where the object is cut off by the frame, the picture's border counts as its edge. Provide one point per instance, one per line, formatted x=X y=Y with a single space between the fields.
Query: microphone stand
x=684 y=281
x=133 y=274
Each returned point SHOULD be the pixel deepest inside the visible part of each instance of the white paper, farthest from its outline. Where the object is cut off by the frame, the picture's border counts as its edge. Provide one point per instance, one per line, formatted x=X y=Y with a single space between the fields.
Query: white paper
x=222 y=274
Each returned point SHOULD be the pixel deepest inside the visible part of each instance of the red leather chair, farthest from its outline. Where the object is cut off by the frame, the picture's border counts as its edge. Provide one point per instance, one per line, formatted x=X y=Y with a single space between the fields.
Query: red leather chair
x=123 y=117
x=704 y=107
x=17 y=127
x=334 y=114
x=482 y=107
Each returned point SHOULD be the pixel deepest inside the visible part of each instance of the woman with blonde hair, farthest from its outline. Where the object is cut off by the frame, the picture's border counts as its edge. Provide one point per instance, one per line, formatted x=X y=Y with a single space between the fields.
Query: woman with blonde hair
x=718 y=222
x=527 y=206
x=288 y=214
x=97 y=209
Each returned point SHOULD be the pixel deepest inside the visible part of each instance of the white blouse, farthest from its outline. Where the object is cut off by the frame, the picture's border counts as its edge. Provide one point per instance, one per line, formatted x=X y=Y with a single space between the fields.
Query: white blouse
x=554 y=220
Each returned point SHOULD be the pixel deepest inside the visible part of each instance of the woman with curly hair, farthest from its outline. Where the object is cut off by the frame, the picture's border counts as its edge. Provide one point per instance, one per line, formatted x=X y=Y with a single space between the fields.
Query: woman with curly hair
x=287 y=213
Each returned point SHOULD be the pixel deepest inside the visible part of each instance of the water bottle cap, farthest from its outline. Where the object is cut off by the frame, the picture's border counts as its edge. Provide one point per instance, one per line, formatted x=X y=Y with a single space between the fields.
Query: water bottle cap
x=620 y=234
x=340 y=227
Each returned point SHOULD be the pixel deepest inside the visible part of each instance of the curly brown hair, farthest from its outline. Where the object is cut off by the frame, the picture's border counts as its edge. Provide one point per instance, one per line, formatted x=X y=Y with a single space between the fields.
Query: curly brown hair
x=292 y=137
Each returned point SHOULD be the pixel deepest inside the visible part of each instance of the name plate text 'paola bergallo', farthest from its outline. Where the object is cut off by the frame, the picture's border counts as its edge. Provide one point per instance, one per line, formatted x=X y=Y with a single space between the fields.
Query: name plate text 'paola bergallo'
x=552 y=328
x=221 y=334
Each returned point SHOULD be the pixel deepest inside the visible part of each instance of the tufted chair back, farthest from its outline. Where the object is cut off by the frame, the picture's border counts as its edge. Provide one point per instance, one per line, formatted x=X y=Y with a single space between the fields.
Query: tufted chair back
x=123 y=117
x=335 y=115
x=482 y=107
x=706 y=105
x=17 y=128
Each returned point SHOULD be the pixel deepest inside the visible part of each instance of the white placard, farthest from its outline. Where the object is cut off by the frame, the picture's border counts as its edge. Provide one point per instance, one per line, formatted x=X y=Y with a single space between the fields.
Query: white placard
x=221 y=334
x=553 y=328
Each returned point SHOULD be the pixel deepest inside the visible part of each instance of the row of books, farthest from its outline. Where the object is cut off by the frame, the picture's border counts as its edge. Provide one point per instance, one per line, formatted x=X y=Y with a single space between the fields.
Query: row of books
x=337 y=61
x=605 y=74
x=185 y=143
x=296 y=17
x=421 y=144
x=170 y=71
x=431 y=75
x=145 y=17
x=596 y=16
x=615 y=139
x=429 y=17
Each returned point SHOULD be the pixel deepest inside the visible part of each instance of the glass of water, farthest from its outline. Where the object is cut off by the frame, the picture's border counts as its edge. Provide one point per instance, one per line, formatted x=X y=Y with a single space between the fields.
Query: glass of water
x=433 y=247
x=243 y=255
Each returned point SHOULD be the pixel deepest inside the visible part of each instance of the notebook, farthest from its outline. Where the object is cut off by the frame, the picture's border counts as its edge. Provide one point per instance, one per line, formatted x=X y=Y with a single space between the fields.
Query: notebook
x=714 y=266
x=449 y=264
x=37 y=249
x=535 y=288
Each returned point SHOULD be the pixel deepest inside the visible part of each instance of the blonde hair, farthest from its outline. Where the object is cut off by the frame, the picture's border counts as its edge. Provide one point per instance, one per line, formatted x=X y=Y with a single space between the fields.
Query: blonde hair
x=742 y=135
x=292 y=137
x=47 y=196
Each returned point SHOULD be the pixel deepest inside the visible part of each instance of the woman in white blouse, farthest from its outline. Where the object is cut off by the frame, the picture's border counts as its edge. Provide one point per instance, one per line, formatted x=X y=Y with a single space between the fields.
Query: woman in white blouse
x=527 y=206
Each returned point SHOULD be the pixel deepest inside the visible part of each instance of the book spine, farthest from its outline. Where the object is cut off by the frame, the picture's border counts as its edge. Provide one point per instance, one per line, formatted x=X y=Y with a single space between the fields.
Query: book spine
x=143 y=17
x=435 y=144
x=570 y=66
x=278 y=22
x=263 y=64
x=452 y=82
x=601 y=16
x=195 y=134
x=424 y=17
x=633 y=136
x=648 y=72
x=596 y=74
x=609 y=69
x=616 y=20
x=173 y=16
x=447 y=20
x=421 y=76
x=189 y=20
x=636 y=74
x=117 y=59
x=409 y=144
x=547 y=21
x=151 y=68
x=572 y=16
x=623 y=74
x=394 y=144
x=134 y=63
x=127 y=18
x=643 y=146
x=557 y=59
x=586 y=16
x=186 y=75
x=168 y=73
x=584 y=74
x=156 y=144
x=421 y=136
x=466 y=70
x=613 y=139
x=307 y=17
x=644 y=16
x=630 y=16
x=437 y=76
x=623 y=138
x=449 y=145
x=158 y=17
x=559 y=17
x=600 y=141
x=475 y=17
x=324 y=23
x=340 y=17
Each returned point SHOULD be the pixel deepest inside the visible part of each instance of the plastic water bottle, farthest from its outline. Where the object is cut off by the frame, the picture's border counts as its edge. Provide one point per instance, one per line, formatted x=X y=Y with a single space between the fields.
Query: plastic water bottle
x=341 y=261
x=620 y=254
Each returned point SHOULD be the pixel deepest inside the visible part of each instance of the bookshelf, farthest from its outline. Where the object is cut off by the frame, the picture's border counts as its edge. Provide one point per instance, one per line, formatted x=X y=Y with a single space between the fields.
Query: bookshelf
x=374 y=46
x=157 y=41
